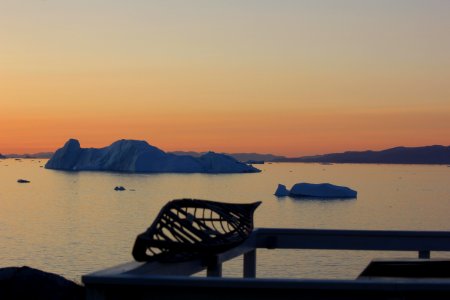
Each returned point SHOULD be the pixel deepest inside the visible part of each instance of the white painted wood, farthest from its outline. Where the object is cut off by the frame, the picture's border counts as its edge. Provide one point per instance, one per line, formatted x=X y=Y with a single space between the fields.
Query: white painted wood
x=250 y=264
x=177 y=275
x=424 y=254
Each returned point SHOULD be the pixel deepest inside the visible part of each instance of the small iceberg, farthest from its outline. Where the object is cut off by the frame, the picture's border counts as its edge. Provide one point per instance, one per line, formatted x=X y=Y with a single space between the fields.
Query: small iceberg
x=23 y=181
x=281 y=191
x=313 y=190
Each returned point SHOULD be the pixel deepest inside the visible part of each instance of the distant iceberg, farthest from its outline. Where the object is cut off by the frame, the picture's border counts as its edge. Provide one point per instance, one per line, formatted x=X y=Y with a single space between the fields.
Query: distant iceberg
x=281 y=191
x=139 y=156
x=312 y=190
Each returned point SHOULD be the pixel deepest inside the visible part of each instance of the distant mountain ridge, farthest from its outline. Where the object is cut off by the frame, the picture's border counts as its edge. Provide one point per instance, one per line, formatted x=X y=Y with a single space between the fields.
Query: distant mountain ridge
x=435 y=154
x=238 y=156
x=29 y=155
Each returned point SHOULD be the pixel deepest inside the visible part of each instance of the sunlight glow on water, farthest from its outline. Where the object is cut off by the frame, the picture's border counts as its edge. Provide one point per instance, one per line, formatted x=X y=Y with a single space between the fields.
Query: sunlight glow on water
x=75 y=223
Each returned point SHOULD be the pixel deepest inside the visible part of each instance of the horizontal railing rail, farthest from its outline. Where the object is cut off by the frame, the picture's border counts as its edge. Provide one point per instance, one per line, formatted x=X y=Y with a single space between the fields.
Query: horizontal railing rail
x=325 y=239
x=274 y=238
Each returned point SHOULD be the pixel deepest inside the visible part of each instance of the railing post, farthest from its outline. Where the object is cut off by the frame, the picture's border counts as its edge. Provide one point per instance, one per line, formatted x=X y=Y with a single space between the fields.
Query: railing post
x=94 y=293
x=250 y=264
x=214 y=271
x=214 y=267
x=424 y=254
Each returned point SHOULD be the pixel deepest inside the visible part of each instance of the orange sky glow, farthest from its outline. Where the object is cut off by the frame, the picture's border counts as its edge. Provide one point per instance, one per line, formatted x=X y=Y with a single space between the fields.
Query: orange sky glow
x=291 y=78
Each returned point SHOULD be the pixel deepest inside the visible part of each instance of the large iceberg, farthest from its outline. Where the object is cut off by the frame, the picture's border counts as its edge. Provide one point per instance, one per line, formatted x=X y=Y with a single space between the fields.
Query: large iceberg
x=313 y=190
x=139 y=156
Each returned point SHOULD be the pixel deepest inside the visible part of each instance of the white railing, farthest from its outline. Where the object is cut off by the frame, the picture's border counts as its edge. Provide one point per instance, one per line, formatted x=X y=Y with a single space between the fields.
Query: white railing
x=176 y=274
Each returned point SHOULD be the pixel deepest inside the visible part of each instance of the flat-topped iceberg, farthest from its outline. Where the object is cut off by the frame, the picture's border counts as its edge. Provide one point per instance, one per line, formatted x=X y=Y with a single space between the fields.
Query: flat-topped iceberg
x=139 y=156
x=313 y=190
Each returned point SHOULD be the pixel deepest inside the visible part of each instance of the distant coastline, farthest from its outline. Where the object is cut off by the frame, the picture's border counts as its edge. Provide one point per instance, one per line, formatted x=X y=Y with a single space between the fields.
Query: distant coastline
x=28 y=155
x=433 y=155
x=436 y=154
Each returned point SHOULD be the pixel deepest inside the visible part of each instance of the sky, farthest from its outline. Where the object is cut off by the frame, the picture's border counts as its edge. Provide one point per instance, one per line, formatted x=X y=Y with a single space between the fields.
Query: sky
x=285 y=77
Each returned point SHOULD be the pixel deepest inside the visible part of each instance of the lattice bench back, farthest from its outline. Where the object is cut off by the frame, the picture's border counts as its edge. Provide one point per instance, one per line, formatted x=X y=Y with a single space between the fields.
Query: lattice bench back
x=188 y=228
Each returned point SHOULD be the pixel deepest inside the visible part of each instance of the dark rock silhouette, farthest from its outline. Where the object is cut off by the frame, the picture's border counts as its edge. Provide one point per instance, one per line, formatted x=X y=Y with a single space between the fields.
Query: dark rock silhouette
x=119 y=188
x=23 y=181
x=28 y=283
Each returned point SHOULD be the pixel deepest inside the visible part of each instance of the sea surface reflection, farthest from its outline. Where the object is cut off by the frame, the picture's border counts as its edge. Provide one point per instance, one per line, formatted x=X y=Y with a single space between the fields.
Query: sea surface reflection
x=74 y=223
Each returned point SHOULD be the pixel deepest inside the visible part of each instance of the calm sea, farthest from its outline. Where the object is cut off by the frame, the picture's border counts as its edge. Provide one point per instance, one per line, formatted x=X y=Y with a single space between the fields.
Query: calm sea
x=75 y=223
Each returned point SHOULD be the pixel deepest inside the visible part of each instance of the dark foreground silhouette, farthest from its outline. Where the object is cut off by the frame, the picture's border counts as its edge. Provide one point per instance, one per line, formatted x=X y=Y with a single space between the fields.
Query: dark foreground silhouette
x=29 y=283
